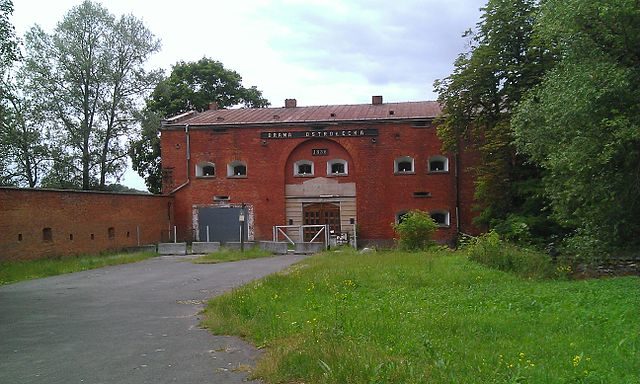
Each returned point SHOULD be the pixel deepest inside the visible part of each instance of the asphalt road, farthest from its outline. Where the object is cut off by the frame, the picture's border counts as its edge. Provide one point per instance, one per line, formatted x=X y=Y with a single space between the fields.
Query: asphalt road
x=135 y=323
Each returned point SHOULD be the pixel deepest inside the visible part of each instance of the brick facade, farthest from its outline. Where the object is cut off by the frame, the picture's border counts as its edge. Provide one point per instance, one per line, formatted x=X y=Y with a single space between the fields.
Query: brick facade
x=271 y=142
x=37 y=223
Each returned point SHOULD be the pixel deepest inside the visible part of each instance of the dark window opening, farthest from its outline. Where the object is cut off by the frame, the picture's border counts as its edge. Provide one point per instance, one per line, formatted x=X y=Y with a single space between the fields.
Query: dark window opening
x=93 y=236
x=304 y=169
x=239 y=170
x=112 y=233
x=19 y=236
x=421 y=194
x=220 y=198
x=290 y=221
x=128 y=234
x=47 y=234
x=337 y=168
x=405 y=166
x=436 y=166
x=70 y=236
x=208 y=170
x=440 y=218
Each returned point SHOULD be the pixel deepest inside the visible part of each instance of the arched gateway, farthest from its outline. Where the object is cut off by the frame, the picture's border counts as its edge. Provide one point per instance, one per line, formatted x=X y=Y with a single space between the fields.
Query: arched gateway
x=325 y=193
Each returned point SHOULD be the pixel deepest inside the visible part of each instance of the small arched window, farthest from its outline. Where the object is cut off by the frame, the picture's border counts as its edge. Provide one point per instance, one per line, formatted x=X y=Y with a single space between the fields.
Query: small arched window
x=404 y=164
x=441 y=218
x=237 y=169
x=205 y=169
x=337 y=167
x=303 y=168
x=438 y=164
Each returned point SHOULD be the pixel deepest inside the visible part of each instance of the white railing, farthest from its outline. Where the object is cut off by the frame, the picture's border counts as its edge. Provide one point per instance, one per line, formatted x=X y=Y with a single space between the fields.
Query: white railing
x=317 y=231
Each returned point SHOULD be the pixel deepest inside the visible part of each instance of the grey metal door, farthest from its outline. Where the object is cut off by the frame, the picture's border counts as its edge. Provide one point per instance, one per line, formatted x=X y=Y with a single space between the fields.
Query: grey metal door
x=223 y=222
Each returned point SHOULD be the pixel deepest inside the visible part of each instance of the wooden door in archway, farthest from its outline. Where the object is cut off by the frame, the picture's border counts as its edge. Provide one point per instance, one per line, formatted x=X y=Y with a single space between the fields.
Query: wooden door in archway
x=320 y=214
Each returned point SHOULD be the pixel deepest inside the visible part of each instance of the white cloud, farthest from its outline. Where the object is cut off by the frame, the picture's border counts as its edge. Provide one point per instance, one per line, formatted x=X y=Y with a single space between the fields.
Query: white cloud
x=318 y=51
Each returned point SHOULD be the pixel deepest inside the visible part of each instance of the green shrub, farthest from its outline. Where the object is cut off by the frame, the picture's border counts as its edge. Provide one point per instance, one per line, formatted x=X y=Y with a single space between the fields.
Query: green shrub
x=415 y=229
x=514 y=229
x=491 y=251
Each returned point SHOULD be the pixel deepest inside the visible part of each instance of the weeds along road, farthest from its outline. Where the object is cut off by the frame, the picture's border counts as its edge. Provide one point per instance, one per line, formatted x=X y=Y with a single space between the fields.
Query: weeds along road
x=135 y=323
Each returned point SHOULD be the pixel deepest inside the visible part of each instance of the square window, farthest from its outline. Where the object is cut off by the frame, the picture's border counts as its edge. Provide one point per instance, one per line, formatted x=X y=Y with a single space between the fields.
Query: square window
x=337 y=167
x=303 y=168
x=403 y=165
x=237 y=169
x=438 y=164
x=441 y=218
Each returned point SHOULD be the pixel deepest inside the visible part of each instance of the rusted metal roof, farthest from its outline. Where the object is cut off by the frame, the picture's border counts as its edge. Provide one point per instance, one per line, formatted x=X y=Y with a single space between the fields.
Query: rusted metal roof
x=308 y=115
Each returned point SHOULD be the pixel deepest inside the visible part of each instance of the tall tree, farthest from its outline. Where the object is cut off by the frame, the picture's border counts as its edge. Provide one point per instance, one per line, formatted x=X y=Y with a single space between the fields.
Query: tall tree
x=9 y=54
x=582 y=124
x=24 y=140
x=86 y=77
x=478 y=99
x=190 y=86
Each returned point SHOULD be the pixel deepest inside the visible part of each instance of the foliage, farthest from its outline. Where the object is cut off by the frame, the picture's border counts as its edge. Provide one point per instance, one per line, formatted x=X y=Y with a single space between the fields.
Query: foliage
x=190 y=86
x=194 y=85
x=145 y=150
x=123 y=189
x=225 y=255
x=14 y=271
x=415 y=230
x=85 y=79
x=9 y=54
x=582 y=123
x=478 y=99
x=9 y=51
x=24 y=144
x=394 y=317
x=491 y=251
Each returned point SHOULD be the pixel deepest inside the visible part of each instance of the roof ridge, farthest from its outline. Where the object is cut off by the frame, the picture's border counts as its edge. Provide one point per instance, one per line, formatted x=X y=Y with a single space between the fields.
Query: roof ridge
x=359 y=104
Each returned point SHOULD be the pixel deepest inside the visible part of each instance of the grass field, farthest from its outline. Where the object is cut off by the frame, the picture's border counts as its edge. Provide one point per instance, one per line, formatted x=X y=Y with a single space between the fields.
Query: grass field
x=225 y=255
x=392 y=317
x=14 y=271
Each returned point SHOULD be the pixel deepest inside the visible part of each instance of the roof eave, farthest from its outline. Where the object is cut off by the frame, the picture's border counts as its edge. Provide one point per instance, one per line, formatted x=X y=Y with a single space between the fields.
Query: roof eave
x=293 y=123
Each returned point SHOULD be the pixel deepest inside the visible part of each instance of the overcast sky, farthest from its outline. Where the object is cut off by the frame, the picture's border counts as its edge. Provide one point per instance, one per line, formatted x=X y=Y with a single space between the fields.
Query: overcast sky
x=317 y=51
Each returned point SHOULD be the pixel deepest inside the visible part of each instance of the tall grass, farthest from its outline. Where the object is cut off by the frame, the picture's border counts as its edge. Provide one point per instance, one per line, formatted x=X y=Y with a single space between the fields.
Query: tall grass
x=14 y=271
x=395 y=317
x=491 y=251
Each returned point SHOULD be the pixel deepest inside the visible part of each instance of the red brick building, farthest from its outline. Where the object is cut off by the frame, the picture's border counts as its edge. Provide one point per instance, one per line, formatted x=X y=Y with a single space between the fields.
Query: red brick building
x=339 y=165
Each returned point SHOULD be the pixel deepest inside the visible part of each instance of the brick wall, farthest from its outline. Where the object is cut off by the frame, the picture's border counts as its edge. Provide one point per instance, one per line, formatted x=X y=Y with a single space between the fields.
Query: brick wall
x=37 y=223
x=381 y=194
